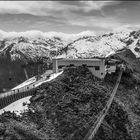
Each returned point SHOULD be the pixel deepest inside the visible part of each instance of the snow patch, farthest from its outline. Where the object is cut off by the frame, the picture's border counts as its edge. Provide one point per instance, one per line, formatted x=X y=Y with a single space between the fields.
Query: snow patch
x=111 y=53
x=132 y=48
x=17 y=106
x=29 y=81
x=52 y=76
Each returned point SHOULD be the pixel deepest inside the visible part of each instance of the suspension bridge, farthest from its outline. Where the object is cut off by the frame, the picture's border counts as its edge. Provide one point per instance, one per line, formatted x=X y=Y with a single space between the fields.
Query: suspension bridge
x=93 y=130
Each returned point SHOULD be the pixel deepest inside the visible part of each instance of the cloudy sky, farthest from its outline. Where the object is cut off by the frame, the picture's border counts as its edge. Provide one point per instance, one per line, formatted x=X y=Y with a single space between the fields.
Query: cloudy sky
x=68 y=16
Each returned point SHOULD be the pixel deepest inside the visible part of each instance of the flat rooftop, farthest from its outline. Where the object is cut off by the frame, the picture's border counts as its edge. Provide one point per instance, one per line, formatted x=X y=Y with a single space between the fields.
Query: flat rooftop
x=79 y=59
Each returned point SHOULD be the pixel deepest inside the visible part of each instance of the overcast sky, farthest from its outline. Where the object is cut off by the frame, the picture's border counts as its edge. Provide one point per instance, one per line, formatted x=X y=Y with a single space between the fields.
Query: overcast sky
x=68 y=16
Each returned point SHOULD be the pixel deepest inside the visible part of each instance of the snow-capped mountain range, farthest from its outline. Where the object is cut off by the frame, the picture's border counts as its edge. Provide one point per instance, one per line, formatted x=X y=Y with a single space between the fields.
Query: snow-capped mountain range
x=34 y=45
x=103 y=45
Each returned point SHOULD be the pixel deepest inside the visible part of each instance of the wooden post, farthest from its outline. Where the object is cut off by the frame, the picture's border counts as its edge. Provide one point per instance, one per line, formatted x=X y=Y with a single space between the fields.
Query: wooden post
x=26 y=74
x=55 y=65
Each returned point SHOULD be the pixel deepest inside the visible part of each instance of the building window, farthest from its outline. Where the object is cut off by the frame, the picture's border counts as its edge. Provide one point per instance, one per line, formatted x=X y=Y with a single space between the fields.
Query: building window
x=10 y=79
x=97 y=67
x=90 y=66
x=61 y=66
x=84 y=65
x=71 y=65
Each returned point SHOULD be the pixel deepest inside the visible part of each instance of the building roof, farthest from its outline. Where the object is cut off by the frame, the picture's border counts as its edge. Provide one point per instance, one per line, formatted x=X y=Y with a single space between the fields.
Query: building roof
x=79 y=59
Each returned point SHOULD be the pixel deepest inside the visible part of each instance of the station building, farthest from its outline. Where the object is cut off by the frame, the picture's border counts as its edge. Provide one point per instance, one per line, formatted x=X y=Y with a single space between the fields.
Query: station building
x=96 y=66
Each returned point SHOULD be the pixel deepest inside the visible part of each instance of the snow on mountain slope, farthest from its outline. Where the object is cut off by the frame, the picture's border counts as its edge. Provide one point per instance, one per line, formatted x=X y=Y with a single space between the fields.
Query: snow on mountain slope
x=35 y=45
x=27 y=50
x=101 y=46
x=18 y=105
x=32 y=46
x=27 y=82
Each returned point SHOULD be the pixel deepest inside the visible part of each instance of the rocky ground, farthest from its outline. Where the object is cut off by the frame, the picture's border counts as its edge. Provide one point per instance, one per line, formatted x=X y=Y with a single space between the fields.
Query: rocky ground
x=66 y=107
